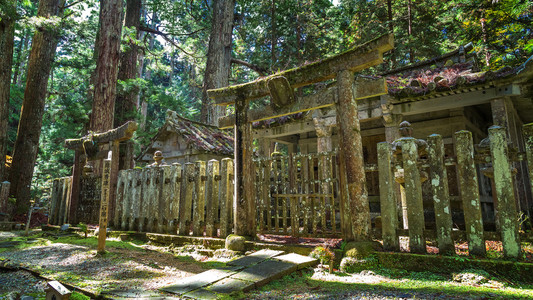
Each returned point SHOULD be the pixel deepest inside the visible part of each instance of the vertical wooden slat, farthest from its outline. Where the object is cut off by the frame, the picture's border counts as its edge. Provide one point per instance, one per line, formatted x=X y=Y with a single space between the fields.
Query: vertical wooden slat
x=119 y=201
x=527 y=130
x=468 y=183
x=413 y=192
x=259 y=165
x=330 y=182
x=276 y=184
x=226 y=196
x=144 y=210
x=54 y=201
x=293 y=169
x=266 y=194
x=315 y=214
x=199 y=202
x=165 y=196
x=127 y=190
x=153 y=198
x=213 y=173
x=61 y=204
x=285 y=191
x=68 y=182
x=441 y=198
x=176 y=198
x=136 y=199
x=186 y=206
x=305 y=203
x=503 y=181
x=323 y=189
x=389 y=214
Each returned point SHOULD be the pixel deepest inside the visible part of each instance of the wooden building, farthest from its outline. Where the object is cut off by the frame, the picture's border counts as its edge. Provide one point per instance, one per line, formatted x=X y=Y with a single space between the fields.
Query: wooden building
x=182 y=140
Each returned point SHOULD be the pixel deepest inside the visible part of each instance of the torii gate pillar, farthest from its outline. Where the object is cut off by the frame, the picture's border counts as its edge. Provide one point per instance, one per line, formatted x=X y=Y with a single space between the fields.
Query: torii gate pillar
x=352 y=155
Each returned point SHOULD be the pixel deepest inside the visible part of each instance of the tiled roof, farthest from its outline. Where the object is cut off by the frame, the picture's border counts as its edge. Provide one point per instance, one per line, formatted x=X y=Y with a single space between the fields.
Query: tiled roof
x=201 y=136
x=197 y=135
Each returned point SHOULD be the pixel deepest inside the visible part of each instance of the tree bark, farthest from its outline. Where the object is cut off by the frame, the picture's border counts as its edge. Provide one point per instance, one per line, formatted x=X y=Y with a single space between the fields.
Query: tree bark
x=273 y=35
x=126 y=101
x=7 y=33
x=42 y=53
x=105 y=79
x=218 y=64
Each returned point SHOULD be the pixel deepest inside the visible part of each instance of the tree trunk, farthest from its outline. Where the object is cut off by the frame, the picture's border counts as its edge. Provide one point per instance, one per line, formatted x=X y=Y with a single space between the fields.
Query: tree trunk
x=273 y=37
x=126 y=101
x=410 y=30
x=42 y=53
x=7 y=33
x=391 y=29
x=218 y=64
x=105 y=75
x=19 y=61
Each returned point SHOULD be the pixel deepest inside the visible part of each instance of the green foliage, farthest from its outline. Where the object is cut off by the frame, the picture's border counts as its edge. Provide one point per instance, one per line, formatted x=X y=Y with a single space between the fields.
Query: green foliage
x=323 y=254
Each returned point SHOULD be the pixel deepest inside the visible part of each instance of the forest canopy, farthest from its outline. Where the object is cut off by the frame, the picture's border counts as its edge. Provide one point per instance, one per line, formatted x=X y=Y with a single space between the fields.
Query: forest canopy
x=171 y=52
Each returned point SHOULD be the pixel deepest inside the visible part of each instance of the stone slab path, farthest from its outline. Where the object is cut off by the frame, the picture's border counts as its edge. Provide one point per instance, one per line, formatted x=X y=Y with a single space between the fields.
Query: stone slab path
x=243 y=274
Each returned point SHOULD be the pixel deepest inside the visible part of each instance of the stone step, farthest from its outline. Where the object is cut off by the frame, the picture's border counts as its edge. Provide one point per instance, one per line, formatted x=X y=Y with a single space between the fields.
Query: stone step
x=244 y=274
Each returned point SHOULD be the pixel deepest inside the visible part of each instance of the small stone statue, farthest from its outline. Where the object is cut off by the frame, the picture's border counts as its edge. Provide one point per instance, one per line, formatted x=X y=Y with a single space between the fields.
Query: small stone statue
x=406 y=131
x=158 y=159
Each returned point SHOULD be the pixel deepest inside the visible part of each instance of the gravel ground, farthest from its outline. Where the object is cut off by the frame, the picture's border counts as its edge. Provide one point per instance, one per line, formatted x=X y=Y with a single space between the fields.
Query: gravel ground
x=152 y=267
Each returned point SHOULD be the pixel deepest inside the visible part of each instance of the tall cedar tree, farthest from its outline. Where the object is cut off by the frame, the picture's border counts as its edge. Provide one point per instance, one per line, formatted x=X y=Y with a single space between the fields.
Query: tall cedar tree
x=218 y=66
x=42 y=53
x=105 y=75
x=7 y=33
x=126 y=101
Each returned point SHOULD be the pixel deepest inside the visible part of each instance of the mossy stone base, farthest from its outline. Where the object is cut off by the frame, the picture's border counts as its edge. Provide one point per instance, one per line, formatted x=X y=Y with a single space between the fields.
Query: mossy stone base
x=354 y=265
x=235 y=243
x=360 y=250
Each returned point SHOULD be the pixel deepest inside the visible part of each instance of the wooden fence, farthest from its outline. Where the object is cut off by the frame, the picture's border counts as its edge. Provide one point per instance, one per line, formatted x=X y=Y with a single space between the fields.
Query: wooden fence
x=194 y=198
x=301 y=195
x=408 y=163
x=298 y=194
x=60 y=201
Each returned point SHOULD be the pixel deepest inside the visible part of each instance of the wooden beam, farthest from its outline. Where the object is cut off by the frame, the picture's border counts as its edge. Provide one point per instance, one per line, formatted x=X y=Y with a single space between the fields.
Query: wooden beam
x=119 y=134
x=454 y=101
x=364 y=88
x=354 y=60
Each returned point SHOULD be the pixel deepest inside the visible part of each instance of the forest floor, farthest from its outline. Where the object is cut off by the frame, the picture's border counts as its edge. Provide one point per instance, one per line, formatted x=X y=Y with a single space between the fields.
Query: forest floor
x=137 y=267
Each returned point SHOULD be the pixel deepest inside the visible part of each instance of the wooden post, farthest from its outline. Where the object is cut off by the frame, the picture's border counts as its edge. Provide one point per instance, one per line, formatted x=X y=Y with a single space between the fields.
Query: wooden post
x=468 y=183
x=293 y=169
x=503 y=180
x=244 y=204
x=128 y=191
x=199 y=202
x=136 y=200
x=114 y=145
x=213 y=175
x=54 y=202
x=104 y=204
x=175 y=198
x=441 y=197
x=145 y=196
x=120 y=195
x=226 y=196
x=186 y=202
x=350 y=133
x=413 y=193
x=165 y=196
x=527 y=129
x=75 y=186
x=387 y=196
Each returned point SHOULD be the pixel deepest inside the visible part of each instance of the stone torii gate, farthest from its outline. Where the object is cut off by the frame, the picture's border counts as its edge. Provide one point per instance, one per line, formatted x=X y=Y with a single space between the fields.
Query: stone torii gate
x=97 y=147
x=343 y=94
